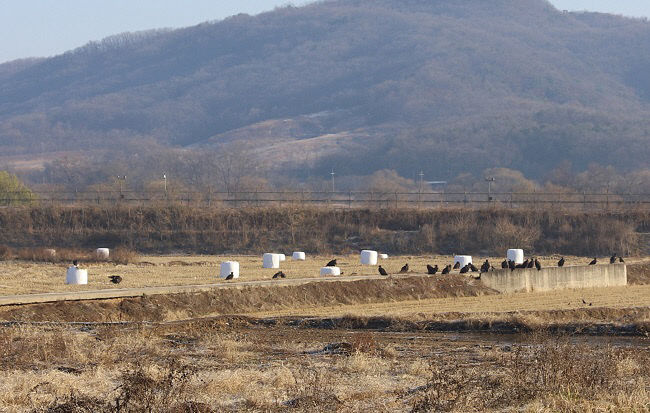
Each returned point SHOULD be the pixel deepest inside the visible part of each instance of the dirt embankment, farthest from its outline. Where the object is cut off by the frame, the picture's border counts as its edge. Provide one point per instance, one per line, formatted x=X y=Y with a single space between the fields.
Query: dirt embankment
x=246 y=300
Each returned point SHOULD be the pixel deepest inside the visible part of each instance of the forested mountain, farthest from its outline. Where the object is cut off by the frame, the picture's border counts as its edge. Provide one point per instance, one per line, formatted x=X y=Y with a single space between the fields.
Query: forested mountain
x=360 y=85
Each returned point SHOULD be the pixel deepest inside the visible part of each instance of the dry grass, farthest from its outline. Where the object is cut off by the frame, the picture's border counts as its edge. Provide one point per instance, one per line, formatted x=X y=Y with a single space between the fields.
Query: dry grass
x=483 y=305
x=183 y=367
x=20 y=277
x=119 y=255
x=325 y=230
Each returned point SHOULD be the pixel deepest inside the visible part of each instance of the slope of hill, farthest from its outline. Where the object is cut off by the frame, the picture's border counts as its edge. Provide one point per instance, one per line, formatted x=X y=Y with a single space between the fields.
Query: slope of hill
x=445 y=86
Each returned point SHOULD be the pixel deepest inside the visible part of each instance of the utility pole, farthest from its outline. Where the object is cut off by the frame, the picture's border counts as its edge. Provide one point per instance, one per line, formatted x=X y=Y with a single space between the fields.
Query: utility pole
x=122 y=180
x=332 y=174
x=420 y=190
x=165 y=178
x=489 y=181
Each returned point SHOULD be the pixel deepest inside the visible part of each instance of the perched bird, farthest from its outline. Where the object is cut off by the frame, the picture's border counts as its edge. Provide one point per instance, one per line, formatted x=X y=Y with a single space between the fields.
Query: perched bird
x=561 y=262
x=594 y=262
x=279 y=274
x=473 y=267
x=457 y=265
x=404 y=269
x=75 y=263
x=620 y=259
x=446 y=270
x=465 y=269
x=331 y=264
x=382 y=271
x=612 y=259
x=531 y=264
x=538 y=265
x=115 y=279
x=432 y=270
x=511 y=265
x=504 y=264
x=486 y=266
x=230 y=276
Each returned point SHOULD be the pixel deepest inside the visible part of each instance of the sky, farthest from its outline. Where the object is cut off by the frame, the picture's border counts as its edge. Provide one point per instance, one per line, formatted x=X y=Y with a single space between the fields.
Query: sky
x=44 y=28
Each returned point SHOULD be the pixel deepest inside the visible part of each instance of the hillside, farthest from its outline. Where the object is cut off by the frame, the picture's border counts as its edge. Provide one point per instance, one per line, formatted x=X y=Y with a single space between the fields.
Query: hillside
x=445 y=86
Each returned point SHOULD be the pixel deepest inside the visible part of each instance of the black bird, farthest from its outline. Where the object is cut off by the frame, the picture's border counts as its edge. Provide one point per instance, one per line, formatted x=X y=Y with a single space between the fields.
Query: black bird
x=620 y=259
x=583 y=301
x=531 y=264
x=473 y=267
x=594 y=262
x=465 y=269
x=486 y=266
x=230 y=276
x=331 y=264
x=504 y=264
x=115 y=279
x=446 y=270
x=538 y=265
x=511 y=265
x=279 y=274
x=404 y=269
x=457 y=265
x=612 y=259
x=75 y=263
x=432 y=270
x=382 y=271
x=561 y=262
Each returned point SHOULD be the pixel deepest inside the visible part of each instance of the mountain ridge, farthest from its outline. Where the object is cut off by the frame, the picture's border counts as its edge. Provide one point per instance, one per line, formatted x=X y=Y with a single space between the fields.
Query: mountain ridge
x=465 y=82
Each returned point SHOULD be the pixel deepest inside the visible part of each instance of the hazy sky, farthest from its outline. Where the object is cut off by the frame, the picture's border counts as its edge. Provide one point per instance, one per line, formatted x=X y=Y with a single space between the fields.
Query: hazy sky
x=49 y=27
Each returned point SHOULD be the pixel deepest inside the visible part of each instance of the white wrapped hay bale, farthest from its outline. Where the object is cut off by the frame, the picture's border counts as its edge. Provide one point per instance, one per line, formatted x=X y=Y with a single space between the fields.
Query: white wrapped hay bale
x=383 y=256
x=271 y=260
x=282 y=257
x=299 y=256
x=103 y=253
x=330 y=271
x=369 y=257
x=76 y=276
x=463 y=260
x=228 y=267
x=516 y=255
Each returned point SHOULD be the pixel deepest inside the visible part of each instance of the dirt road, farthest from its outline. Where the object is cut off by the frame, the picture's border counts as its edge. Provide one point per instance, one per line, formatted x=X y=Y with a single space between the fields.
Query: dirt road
x=177 y=289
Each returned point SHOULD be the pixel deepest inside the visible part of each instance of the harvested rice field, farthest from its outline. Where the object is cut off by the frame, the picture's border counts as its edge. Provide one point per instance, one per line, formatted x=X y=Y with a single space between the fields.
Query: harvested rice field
x=26 y=277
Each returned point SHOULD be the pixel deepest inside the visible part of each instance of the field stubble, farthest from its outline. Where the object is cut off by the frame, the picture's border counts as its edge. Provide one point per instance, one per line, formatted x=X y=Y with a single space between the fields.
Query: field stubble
x=27 y=277
x=229 y=364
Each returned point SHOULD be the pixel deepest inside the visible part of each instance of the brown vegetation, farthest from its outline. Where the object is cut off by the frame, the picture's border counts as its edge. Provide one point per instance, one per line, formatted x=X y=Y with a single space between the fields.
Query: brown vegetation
x=119 y=255
x=320 y=230
x=230 y=365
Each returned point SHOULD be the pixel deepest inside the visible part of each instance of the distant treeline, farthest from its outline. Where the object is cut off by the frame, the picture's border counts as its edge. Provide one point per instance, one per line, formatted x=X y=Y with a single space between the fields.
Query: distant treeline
x=324 y=231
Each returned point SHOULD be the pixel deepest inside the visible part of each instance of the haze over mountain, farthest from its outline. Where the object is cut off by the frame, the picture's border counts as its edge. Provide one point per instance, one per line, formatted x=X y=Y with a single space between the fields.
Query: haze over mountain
x=445 y=86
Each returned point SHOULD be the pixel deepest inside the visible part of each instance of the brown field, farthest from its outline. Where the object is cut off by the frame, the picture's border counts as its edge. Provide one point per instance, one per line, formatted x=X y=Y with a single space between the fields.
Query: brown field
x=24 y=277
x=229 y=364
x=389 y=345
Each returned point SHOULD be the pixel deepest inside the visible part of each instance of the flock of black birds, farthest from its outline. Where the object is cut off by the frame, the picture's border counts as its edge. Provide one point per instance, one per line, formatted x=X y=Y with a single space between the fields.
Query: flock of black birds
x=431 y=270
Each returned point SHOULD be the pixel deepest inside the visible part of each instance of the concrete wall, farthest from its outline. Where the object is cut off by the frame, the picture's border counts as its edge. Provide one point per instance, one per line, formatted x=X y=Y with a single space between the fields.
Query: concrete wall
x=555 y=278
